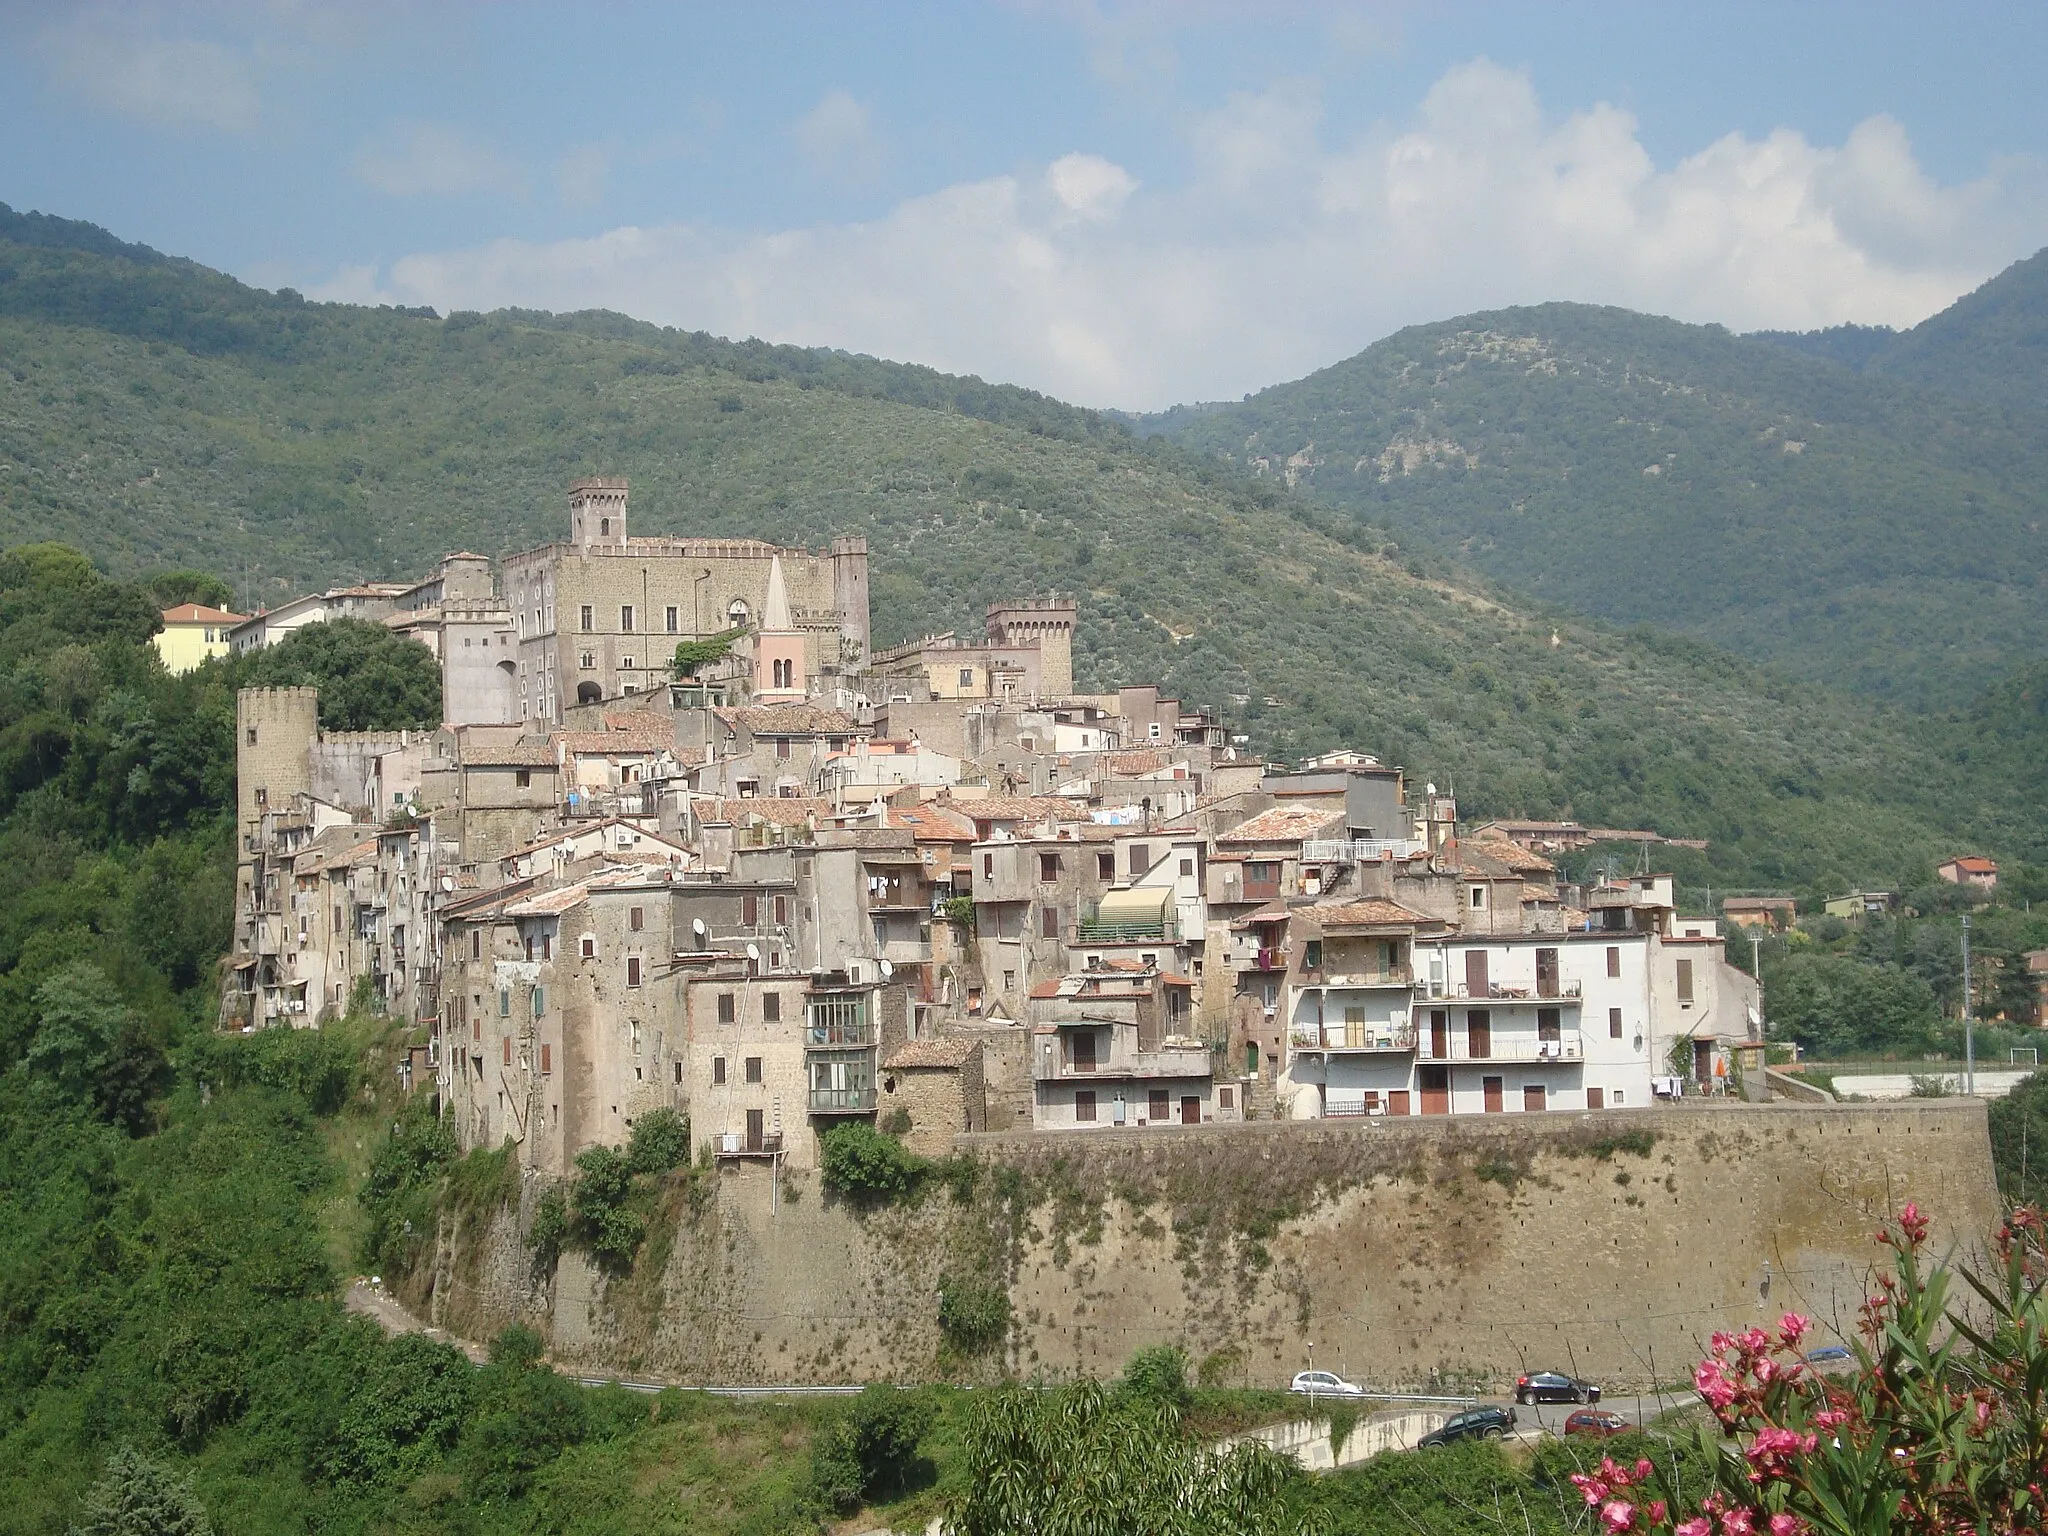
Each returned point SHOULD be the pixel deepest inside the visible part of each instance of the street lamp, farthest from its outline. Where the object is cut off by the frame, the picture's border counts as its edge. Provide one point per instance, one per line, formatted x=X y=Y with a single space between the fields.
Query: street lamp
x=1311 y=1378
x=1969 y=1025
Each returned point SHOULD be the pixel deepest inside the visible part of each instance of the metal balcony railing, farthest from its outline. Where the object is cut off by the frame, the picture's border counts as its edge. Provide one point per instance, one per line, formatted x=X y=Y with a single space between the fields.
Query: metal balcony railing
x=1513 y=1048
x=1352 y=1037
x=842 y=1101
x=1358 y=850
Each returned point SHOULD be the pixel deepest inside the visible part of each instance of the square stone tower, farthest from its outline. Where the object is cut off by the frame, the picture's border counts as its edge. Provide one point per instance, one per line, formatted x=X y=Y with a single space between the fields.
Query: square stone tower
x=597 y=513
x=1046 y=622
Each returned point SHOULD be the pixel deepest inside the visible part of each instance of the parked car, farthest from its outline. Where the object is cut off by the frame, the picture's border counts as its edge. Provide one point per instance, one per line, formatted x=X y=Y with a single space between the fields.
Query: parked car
x=1554 y=1387
x=1488 y=1423
x=1325 y=1384
x=1831 y=1357
x=1598 y=1422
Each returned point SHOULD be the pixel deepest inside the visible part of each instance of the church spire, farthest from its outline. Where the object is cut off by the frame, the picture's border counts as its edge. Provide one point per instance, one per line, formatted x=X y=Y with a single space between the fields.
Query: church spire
x=775 y=612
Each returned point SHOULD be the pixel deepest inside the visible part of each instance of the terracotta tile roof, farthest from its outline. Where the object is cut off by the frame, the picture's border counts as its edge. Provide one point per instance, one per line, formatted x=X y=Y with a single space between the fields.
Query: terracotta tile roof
x=608 y=743
x=1019 y=808
x=931 y=823
x=1511 y=853
x=1758 y=903
x=789 y=720
x=1282 y=824
x=1974 y=864
x=1373 y=911
x=1131 y=764
x=518 y=754
x=199 y=613
x=795 y=811
x=949 y=1054
x=1045 y=989
x=549 y=903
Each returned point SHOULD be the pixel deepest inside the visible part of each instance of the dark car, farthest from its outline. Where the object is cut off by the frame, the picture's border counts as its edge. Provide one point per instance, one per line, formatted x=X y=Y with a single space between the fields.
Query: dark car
x=1473 y=1424
x=1598 y=1422
x=1554 y=1387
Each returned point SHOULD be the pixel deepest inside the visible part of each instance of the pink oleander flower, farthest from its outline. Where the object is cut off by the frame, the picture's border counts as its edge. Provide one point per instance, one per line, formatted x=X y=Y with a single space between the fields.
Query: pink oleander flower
x=1983 y=1415
x=1913 y=1224
x=1618 y=1515
x=1591 y=1487
x=1657 y=1511
x=1699 y=1525
x=1830 y=1418
x=1712 y=1383
x=1786 y=1525
x=1793 y=1327
x=1772 y=1442
x=1736 y=1522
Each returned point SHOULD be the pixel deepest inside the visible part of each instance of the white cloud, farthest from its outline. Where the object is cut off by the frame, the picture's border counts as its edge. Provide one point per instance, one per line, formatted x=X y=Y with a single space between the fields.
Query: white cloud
x=122 y=60
x=416 y=158
x=837 y=136
x=1283 y=252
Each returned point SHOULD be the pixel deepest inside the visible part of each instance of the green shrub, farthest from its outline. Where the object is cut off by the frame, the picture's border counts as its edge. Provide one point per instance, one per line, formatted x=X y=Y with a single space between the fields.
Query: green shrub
x=137 y=1497
x=660 y=1141
x=865 y=1167
x=870 y=1453
x=604 y=1219
x=973 y=1317
x=1160 y=1372
x=550 y=1226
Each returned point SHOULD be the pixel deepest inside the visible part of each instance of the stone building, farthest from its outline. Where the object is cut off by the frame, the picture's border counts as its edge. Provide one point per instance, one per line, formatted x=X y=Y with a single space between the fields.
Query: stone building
x=599 y=616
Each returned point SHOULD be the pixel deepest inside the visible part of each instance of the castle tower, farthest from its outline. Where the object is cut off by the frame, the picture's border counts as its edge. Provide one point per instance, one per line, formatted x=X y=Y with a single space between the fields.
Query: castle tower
x=275 y=729
x=778 y=647
x=1046 y=622
x=597 y=513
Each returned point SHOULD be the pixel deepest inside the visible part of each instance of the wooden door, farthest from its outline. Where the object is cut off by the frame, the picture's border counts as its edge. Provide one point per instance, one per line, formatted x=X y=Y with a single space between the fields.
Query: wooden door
x=1159 y=1104
x=1494 y=1096
x=1397 y=1102
x=1479 y=1034
x=1084 y=1050
x=1190 y=1109
x=1475 y=973
x=1534 y=1098
x=1546 y=973
x=1596 y=1098
x=1436 y=1090
x=756 y=1130
x=1440 y=1032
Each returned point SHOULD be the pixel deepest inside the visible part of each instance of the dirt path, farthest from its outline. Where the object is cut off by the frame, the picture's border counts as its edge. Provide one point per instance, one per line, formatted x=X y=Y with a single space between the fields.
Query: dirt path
x=379 y=1305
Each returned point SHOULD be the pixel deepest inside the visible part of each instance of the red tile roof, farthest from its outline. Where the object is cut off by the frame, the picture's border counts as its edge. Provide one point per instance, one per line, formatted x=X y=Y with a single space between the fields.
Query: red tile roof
x=198 y=613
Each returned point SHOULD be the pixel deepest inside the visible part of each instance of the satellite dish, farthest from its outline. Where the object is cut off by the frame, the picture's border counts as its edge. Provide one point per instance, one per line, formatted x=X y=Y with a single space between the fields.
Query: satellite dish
x=887 y=970
x=1429 y=789
x=754 y=953
x=697 y=927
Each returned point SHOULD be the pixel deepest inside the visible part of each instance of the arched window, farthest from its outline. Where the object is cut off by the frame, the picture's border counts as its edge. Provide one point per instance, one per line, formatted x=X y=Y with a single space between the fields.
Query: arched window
x=588 y=693
x=736 y=615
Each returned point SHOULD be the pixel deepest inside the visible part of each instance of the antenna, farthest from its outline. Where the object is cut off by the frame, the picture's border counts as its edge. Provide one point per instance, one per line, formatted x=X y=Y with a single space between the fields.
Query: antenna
x=697 y=927
x=754 y=953
x=886 y=969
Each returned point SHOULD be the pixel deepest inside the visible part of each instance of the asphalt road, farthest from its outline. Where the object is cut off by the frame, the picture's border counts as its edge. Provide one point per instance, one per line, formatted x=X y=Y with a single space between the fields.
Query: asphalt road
x=1639 y=1411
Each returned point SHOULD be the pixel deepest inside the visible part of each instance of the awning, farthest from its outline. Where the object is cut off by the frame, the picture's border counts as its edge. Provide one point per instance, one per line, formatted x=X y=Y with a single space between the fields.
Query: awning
x=1143 y=904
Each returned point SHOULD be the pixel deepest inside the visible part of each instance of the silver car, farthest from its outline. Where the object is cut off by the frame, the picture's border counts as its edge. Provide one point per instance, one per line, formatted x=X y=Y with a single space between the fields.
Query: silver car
x=1325 y=1384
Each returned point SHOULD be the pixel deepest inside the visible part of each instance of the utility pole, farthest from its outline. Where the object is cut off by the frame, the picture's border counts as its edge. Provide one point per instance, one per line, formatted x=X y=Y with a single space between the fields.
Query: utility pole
x=1969 y=1029
x=1756 y=954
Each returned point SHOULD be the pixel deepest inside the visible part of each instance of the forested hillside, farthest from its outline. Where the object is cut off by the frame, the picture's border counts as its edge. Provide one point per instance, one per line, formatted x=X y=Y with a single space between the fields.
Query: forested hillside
x=158 y=414
x=1866 y=529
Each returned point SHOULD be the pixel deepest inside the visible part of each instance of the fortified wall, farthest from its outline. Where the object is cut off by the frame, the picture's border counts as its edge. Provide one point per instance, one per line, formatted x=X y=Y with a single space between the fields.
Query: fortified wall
x=1450 y=1252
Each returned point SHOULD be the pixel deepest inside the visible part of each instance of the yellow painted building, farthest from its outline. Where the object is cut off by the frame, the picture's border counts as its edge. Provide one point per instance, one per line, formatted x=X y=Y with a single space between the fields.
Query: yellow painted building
x=193 y=634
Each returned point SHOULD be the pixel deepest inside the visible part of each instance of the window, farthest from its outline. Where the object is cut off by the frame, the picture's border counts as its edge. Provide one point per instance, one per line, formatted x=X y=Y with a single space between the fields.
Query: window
x=736 y=615
x=1009 y=981
x=967 y=677
x=1312 y=954
x=1105 y=866
x=632 y=970
x=771 y=1007
x=1226 y=1098
x=1084 y=1104
x=625 y=618
x=781 y=910
x=587 y=616
x=523 y=778
x=589 y=947
x=727 y=1008
x=636 y=918
x=506 y=1042
x=1550 y=1024
x=1620 y=1096
x=1613 y=960
x=1141 y=859
x=753 y=1069
x=1048 y=867
x=540 y=1001
x=547 y=1059
x=1048 y=922
x=717 y=1069
x=750 y=911
x=988 y=866
x=781 y=742
x=1685 y=983
x=252 y=736
x=674 y=616
x=588 y=660
x=504 y=1002
x=1478 y=898
x=1187 y=868
x=476 y=943
x=679 y=1071
x=262 y=795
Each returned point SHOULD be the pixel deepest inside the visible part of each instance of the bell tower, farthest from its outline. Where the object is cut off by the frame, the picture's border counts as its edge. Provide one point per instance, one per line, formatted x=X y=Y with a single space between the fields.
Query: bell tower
x=779 y=647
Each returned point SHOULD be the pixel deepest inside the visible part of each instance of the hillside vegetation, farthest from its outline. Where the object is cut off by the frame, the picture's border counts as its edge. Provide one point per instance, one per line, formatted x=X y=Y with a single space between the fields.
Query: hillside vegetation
x=158 y=414
x=1878 y=529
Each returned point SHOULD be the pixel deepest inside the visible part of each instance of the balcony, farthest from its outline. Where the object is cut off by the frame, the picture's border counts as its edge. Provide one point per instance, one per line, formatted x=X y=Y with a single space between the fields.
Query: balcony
x=1508 y=1048
x=1502 y=992
x=1398 y=977
x=1261 y=958
x=1336 y=1038
x=1052 y=1066
x=1369 y=850
x=733 y=1144
x=843 y=1101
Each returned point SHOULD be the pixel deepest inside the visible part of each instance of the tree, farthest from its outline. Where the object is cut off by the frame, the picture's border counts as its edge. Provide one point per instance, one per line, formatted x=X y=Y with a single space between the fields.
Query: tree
x=870 y=1452
x=369 y=678
x=861 y=1164
x=172 y=588
x=603 y=1216
x=90 y=1047
x=525 y=1417
x=403 y=1414
x=137 y=1497
x=1082 y=1458
x=660 y=1141
x=1835 y=1006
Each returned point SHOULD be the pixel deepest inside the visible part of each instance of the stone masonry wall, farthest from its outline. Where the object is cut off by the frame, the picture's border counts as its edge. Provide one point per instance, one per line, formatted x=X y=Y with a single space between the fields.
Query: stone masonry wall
x=1450 y=1251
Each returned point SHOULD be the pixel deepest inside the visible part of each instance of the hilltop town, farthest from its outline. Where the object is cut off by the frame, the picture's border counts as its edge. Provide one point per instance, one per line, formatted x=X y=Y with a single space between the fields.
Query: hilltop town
x=685 y=841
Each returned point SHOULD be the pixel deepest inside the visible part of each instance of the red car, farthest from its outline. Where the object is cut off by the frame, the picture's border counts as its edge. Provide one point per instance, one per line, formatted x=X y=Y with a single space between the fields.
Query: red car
x=1599 y=1422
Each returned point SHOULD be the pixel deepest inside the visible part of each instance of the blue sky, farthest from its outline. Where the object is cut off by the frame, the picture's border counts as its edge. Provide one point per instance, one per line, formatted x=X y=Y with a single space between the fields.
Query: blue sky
x=1122 y=204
